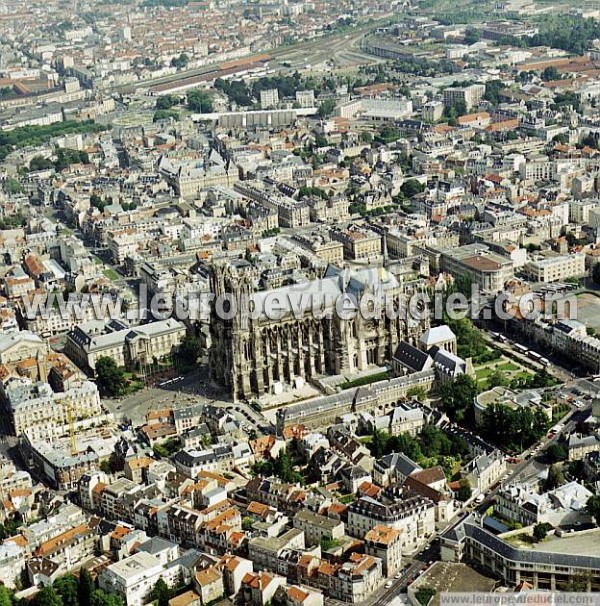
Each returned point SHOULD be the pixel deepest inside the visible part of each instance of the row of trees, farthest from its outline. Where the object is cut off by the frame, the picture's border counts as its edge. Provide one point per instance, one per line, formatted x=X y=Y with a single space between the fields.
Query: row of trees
x=457 y=397
x=198 y=100
x=69 y=591
x=538 y=380
x=432 y=447
x=518 y=428
x=64 y=159
x=282 y=467
x=34 y=136
x=97 y=202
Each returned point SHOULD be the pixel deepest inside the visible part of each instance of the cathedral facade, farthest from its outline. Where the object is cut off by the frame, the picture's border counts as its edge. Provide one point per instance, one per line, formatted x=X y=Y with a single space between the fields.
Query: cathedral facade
x=301 y=330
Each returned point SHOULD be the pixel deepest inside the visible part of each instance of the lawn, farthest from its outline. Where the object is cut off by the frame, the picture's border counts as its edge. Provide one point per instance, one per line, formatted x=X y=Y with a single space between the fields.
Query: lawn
x=380 y=376
x=111 y=274
x=483 y=373
x=508 y=367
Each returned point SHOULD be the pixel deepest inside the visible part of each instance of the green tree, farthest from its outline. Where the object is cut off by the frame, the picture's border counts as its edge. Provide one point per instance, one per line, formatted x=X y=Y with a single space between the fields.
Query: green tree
x=247 y=523
x=167 y=102
x=593 y=508
x=418 y=393
x=412 y=187
x=283 y=468
x=102 y=598
x=457 y=396
x=40 y=163
x=378 y=443
x=388 y=134
x=180 y=62
x=555 y=478
x=579 y=583
x=326 y=108
x=47 y=596
x=424 y=595
x=550 y=73
x=405 y=444
x=12 y=186
x=464 y=492
x=165 y=114
x=66 y=587
x=556 y=453
x=110 y=377
x=199 y=101
x=85 y=587
x=472 y=35
x=366 y=137
x=190 y=349
x=6 y=597
x=498 y=378
x=161 y=593
x=581 y=471
x=327 y=543
x=596 y=273
x=540 y=531
x=493 y=88
x=97 y=202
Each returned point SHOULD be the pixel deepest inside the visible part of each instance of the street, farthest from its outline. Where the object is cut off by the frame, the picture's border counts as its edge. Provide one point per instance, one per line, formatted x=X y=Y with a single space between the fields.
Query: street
x=195 y=388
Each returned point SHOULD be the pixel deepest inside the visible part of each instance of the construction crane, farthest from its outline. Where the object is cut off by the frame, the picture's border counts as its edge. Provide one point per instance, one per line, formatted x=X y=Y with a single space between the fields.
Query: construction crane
x=74 y=450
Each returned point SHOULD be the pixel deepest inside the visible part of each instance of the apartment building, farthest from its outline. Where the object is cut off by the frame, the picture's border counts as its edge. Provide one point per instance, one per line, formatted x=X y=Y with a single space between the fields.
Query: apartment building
x=269 y=98
x=412 y=515
x=124 y=243
x=190 y=461
x=556 y=268
x=133 y=578
x=12 y=563
x=471 y=95
x=330 y=251
x=265 y=551
x=538 y=170
x=385 y=543
x=330 y=211
x=19 y=346
x=357 y=579
x=569 y=337
x=359 y=243
x=563 y=506
x=488 y=270
x=70 y=548
x=305 y=98
x=42 y=411
x=485 y=470
x=184 y=524
x=432 y=111
x=317 y=527
x=17 y=287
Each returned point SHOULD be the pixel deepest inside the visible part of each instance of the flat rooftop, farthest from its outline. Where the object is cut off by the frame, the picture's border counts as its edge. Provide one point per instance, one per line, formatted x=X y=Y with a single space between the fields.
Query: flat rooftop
x=585 y=543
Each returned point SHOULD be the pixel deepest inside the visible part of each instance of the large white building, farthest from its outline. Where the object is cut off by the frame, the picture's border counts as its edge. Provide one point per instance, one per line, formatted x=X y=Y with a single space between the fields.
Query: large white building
x=129 y=347
x=413 y=516
x=133 y=578
x=556 y=268
x=36 y=407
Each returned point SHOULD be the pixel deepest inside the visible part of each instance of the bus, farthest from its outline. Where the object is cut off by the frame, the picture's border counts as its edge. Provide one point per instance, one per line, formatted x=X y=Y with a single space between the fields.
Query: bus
x=521 y=348
x=534 y=356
